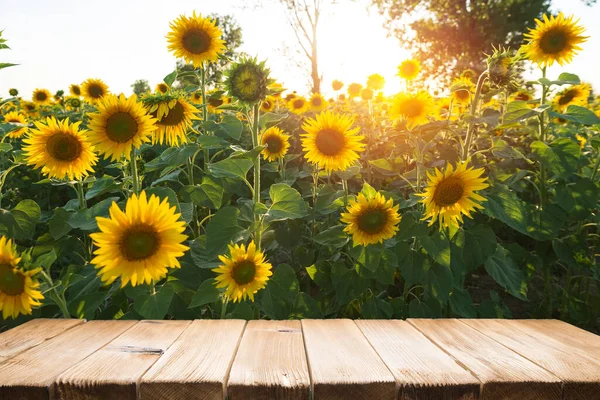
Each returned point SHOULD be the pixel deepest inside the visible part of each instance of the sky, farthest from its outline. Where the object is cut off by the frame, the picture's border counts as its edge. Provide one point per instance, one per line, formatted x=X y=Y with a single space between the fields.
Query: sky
x=61 y=42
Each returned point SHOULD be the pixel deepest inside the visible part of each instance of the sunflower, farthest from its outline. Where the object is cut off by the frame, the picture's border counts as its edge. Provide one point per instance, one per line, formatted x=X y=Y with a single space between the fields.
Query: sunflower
x=14 y=117
x=331 y=142
x=582 y=140
x=354 y=90
x=371 y=220
x=248 y=81
x=298 y=105
x=162 y=88
x=60 y=149
x=268 y=104
x=18 y=288
x=30 y=107
x=176 y=119
x=277 y=143
x=75 y=90
x=375 y=82
x=138 y=245
x=216 y=99
x=443 y=110
x=409 y=69
x=276 y=89
x=195 y=39
x=94 y=89
x=317 y=102
x=556 y=39
x=521 y=95
x=462 y=89
x=290 y=96
x=451 y=194
x=120 y=124
x=367 y=94
x=72 y=102
x=576 y=94
x=243 y=273
x=413 y=108
x=337 y=85
x=41 y=97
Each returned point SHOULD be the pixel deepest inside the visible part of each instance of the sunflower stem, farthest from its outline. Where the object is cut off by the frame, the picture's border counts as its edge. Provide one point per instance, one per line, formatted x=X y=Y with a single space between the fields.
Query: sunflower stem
x=595 y=170
x=224 y=307
x=256 y=194
x=474 y=107
x=205 y=152
x=134 y=172
x=58 y=299
x=542 y=138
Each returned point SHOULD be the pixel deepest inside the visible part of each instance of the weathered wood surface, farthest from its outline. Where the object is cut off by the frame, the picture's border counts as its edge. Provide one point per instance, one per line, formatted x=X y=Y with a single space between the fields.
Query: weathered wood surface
x=270 y=363
x=422 y=370
x=418 y=359
x=503 y=373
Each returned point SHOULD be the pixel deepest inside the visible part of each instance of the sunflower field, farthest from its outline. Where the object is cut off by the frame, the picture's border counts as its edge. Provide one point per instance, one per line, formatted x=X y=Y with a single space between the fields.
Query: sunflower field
x=242 y=199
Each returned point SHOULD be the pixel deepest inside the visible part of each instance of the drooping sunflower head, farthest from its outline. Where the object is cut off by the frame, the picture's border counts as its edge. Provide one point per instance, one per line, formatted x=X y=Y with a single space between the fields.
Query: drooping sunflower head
x=468 y=74
x=277 y=142
x=444 y=110
x=60 y=149
x=367 y=94
x=243 y=272
x=119 y=125
x=452 y=194
x=331 y=142
x=354 y=90
x=462 y=89
x=412 y=108
x=19 y=120
x=75 y=90
x=268 y=104
x=556 y=39
x=409 y=69
x=161 y=88
x=174 y=117
x=248 y=81
x=41 y=97
x=140 y=244
x=501 y=68
x=574 y=95
x=94 y=89
x=375 y=82
x=196 y=39
x=298 y=105
x=317 y=102
x=371 y=220
x=18 y=288
x=337 y=85
x=13 y=92
x=215 y=100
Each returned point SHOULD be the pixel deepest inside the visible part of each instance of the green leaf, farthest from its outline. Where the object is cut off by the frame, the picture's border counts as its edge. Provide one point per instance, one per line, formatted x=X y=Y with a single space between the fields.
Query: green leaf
x=154 y=306
x=6 y=65
x=438 y=248
x=579 y=198
x=206 y=293
x=279 y=296
x=333 y=236
x=410 y=227
x=439 y=281
x=86 y=219
x=5 y=147
x=307 y=307
x=20 y=222
x=368 y=191
x=58 y=224
x=347 y=284
x=367 y=256
x=102 y=186
x=287 y=203
x=461 y=303
x=375 y=308
x=561 y=157
x=519 y=111
x=242 y=311
x=270 y=119
x=582 y=115
x=479 y=244
x=412 y=264
x=229 y=126
x=171 y=78
x=501 y=149
x=505 y=272
x=231 y=168
x=568 y=78
x=222 y=229
x=165 y=193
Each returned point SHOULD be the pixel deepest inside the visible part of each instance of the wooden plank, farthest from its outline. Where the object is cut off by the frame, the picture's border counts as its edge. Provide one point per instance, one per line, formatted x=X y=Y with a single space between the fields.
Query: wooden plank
x=503 y=373
x=421 y=369
x=31 y=334
x=114 y=371
x=579 y=371
x=197 y=365
x=270 y=363
x=31 y=374
x=342 y=363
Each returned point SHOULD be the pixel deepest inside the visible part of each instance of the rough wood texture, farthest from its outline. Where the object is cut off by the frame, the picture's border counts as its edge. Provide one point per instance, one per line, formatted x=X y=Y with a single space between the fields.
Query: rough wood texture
x=31 y=334
x=503 y=373
x=270 y=363
x=114 y=371
x=579 y=371
x=197 y=365
x=342 y=363
x=31 y=374
x=422 y=370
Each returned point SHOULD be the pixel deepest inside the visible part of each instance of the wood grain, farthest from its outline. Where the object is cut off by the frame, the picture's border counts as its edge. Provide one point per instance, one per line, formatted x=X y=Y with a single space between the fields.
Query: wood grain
x=270 y=363
x=579 y=371
x=197 y=365
x=421 y=369
x=503 y=373
x=114 y=371
x=30 y=375
x=31 y=334
x=342 y=363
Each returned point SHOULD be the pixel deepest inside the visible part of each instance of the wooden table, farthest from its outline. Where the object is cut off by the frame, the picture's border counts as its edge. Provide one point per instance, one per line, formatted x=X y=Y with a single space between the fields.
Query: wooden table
x=320 y=359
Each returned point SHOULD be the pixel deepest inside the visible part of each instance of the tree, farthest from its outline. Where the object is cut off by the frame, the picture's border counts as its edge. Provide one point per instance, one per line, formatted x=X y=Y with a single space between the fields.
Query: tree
x=140 y=86
x=448 y=36
x=232 y=35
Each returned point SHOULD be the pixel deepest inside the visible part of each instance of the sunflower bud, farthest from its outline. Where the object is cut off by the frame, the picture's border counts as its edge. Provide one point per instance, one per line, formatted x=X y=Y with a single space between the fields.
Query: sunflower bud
x=248 y=80
x=501 y=68
x=13 y=92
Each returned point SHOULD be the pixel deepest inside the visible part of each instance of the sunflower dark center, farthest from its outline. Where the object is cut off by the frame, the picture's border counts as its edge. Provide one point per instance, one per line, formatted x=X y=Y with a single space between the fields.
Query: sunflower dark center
x=408 y=69
x=522 y=97
x=462 y=94
x=175 y=115
x=243 y=272
x=196 y=41
x=95 y=91
x=330 y=142
x=215 y=101
x=298 y=103
x=449 y=191
x=30 y=107
x=139 y=243
x=413 y=108
x=372 y=220
x=76 y=90
x=64 y=147
x=266 y=104
x=317 y=102
x=274 y=144
x=41 y=96
x=567 y=97
x=121 y=127
x=554 y=41
x=11 y=283
x=13 y=120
